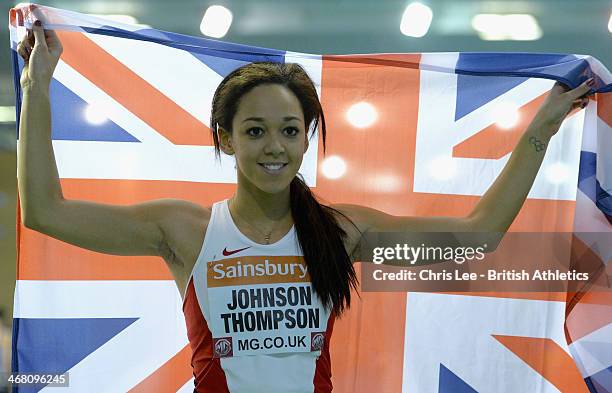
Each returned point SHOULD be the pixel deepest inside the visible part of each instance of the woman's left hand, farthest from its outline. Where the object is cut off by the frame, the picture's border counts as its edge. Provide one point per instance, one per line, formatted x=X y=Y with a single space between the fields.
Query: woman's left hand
x=558 y=104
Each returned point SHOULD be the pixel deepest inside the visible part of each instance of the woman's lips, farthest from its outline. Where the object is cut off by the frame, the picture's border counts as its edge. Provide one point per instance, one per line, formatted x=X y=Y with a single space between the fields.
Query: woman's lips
x=273 y=169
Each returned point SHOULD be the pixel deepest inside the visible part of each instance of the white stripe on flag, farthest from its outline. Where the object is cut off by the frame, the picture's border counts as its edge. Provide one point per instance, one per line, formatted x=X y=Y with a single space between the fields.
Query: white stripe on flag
x=457 y=331
x=174 y=72
x=133 y=354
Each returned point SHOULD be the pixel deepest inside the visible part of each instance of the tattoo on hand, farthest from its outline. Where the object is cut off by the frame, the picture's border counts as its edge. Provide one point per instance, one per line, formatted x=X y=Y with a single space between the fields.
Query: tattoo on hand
x=539 y=145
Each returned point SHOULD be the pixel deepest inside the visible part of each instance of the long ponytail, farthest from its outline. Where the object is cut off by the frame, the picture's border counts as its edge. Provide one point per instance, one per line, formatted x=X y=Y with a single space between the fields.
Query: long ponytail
x=322 y=241
x=319 y=233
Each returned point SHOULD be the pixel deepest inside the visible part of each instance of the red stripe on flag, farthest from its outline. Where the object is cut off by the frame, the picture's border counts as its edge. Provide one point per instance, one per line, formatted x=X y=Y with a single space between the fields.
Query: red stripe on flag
x=390 y=83
x=604 y=107
x=548 y=359
x=494 y=141
x=170 y=377
x=367 y=347
x=133 y=92
x=395 y=60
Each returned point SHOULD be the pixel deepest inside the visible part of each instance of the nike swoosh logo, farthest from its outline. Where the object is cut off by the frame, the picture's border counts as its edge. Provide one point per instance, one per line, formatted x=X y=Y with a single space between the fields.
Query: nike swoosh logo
x=228 y=253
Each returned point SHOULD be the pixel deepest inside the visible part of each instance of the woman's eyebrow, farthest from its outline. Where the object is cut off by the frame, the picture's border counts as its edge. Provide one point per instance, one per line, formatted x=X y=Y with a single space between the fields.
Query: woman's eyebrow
x=261 y=119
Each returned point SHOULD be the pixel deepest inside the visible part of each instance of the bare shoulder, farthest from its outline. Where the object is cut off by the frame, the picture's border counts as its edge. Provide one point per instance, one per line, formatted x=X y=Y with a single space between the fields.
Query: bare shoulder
x=362 y=219
x=352 y=222
x=184 y=226
x=361 y=216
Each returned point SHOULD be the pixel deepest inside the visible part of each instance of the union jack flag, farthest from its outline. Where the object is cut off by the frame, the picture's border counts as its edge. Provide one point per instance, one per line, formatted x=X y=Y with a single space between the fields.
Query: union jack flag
x=130 y=113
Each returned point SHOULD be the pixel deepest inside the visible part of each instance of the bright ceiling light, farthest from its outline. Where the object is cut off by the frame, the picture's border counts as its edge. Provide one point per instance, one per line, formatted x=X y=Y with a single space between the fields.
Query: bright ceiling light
x=523 y=27
x=7 y=114
x=93 y=115
x=362 y=115
x=517 y=27
x=416 y=20
x=610 y=24
x=216 y=21
x=333 y=167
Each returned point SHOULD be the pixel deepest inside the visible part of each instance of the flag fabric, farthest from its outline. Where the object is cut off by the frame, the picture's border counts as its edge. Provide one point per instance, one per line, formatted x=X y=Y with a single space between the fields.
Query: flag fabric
x=130 y=122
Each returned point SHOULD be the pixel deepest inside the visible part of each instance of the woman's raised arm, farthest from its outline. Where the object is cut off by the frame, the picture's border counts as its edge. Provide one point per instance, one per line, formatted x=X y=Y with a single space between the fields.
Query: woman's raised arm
x=500 y=204
x=141 y=229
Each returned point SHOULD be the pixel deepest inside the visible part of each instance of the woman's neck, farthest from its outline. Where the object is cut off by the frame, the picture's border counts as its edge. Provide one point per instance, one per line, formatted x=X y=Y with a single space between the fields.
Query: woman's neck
x=260 y=207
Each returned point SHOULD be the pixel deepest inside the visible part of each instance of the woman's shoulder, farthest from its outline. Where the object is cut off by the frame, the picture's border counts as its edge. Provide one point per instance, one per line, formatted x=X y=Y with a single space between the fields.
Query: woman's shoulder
x=352 y=216
x=179 y=212
x=350 y=222
x=184 y=229
x=184 y=225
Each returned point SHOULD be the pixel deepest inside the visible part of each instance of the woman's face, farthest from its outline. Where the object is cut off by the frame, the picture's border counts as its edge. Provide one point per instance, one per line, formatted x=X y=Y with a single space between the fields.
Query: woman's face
x=268 y=137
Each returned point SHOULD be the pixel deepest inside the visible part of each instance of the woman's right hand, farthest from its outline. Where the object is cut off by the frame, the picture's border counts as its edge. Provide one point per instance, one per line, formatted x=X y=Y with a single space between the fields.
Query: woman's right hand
x=41 y=50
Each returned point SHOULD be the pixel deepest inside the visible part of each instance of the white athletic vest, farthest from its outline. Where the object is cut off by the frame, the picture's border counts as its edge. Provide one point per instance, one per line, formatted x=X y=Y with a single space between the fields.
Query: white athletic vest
x=253 y=319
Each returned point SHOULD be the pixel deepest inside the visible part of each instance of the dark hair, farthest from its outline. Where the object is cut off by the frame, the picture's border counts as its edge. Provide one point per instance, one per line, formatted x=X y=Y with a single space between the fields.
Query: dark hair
x=319 y=234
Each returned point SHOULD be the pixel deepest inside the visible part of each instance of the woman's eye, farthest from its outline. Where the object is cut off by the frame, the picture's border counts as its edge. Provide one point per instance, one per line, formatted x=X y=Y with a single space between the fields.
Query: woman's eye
x=254 y=131
x=292 y=131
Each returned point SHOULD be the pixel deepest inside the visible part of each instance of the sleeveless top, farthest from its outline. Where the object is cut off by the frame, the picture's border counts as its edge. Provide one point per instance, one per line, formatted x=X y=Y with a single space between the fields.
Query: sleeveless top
x=254 y=322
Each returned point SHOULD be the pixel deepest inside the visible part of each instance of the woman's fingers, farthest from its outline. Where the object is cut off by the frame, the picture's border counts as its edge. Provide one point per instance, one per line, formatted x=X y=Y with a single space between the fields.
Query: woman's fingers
x=579 y=103
x=46 y=39
x=560 y=88
x=581 y=90
x=24 y=48
x=584 y=102
x=39 y=35
x=28 y=40
x=21 y=50
x=53 y=42
x=579 y=94
x=41 y=49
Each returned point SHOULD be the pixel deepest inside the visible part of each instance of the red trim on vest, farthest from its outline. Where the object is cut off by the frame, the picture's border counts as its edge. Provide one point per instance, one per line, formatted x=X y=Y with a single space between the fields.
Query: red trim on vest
x=209 y=376
x=322 y=378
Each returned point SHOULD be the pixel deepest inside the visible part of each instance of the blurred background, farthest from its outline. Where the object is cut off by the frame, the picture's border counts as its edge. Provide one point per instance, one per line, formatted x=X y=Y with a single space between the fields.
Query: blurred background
x=322 y=27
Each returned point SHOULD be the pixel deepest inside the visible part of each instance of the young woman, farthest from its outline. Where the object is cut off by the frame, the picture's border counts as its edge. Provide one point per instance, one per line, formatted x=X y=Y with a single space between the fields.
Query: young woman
x=270 y=264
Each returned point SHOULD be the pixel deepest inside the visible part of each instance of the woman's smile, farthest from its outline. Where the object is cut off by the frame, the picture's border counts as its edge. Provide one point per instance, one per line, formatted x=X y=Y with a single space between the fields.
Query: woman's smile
x=273 y=168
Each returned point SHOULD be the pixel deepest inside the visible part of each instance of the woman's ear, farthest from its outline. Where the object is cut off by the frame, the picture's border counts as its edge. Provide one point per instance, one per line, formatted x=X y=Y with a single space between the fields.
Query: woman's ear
x=225 y=141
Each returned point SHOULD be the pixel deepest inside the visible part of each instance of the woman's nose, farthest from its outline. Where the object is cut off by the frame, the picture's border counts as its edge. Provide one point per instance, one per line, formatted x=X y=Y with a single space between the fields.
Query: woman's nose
x=273 y=146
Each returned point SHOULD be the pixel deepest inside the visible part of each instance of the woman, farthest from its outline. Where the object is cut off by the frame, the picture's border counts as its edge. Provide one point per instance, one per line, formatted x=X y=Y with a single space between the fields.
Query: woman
x=246 y=267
